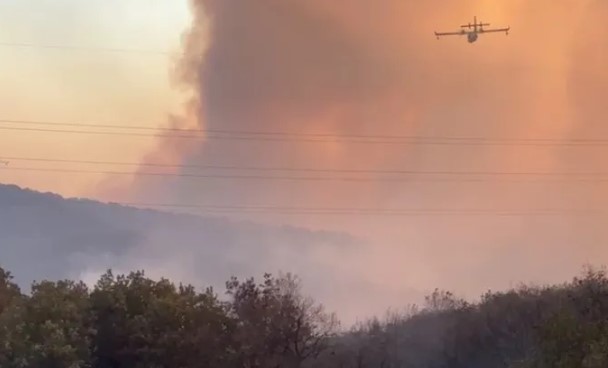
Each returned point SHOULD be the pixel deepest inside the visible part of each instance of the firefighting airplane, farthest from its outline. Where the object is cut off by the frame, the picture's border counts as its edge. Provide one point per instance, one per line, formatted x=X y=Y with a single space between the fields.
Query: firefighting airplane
x=474 y=31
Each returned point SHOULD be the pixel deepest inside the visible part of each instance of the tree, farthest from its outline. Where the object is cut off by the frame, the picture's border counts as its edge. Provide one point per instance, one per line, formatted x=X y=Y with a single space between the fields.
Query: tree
x=49 y=328
x=575 y=334
x=9 y=291
x=133 y=321
x=11 y=344
x=276 y=326
x=146 y=323
x=442 y=301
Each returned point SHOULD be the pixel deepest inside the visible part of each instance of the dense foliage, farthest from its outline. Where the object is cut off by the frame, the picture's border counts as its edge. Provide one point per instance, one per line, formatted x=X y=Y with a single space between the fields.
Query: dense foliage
x=133 y=321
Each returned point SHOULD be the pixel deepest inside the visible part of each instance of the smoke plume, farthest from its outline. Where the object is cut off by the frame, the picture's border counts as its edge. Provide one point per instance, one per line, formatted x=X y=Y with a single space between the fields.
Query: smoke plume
x=362 y=68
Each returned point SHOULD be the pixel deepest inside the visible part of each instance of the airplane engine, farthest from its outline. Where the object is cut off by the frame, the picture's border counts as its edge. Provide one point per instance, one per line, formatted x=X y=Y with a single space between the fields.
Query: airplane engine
x=472 y=37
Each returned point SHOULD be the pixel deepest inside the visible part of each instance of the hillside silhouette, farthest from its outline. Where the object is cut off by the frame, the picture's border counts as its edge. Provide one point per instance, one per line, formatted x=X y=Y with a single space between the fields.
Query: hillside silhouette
x=44 y=235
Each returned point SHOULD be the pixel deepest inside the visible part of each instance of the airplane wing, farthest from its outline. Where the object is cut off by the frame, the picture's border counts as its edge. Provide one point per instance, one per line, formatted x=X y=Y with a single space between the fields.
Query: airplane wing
x=450 y=33
x=495 y=30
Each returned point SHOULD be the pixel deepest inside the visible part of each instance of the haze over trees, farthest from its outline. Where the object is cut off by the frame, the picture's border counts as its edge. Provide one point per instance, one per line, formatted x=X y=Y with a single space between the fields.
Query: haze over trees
x=134 y=321
x=46 y=236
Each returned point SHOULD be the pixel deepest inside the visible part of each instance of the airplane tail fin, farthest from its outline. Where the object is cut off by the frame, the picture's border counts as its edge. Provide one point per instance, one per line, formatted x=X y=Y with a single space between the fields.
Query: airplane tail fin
x=475 y=24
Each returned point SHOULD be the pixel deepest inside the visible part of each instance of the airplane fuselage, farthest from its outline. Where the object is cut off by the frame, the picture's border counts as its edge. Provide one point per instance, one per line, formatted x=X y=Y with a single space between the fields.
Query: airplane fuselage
x=472 y=37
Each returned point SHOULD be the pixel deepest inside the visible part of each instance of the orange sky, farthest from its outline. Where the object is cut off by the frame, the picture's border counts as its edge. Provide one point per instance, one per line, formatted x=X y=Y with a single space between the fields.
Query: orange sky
x=345 y=67
x=82 y=86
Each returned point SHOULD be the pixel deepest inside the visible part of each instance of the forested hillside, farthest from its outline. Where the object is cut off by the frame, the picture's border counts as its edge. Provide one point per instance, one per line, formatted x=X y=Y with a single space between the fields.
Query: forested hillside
x=134 y=321
x=46 y=236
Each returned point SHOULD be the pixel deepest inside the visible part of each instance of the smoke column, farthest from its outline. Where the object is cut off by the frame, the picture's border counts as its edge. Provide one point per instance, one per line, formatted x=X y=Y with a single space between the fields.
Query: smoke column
x=350 y=67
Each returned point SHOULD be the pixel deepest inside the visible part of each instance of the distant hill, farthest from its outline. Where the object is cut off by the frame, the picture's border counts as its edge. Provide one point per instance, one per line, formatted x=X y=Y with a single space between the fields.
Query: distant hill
x=44 y=235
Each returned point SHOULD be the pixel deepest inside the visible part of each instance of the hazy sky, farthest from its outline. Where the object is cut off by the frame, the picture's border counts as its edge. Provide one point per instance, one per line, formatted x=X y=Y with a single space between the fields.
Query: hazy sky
x=83 y=86
x=340 y=67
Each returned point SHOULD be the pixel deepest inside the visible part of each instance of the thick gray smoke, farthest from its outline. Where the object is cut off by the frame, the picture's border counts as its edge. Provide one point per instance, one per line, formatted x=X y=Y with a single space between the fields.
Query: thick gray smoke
x=353 y=67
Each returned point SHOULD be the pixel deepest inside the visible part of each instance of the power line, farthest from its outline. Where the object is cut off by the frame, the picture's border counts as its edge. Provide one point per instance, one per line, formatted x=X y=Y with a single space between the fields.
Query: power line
x=70 y=131
x=426 y=141
x=217 y=134
x=291 y=210
x=4 y=158
x=83 y=48
x=263 y=133
x=204 y=137
x=198 y=137
x=212 y=176
x=113 y=126
x=214 y=131
x=271 y=177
